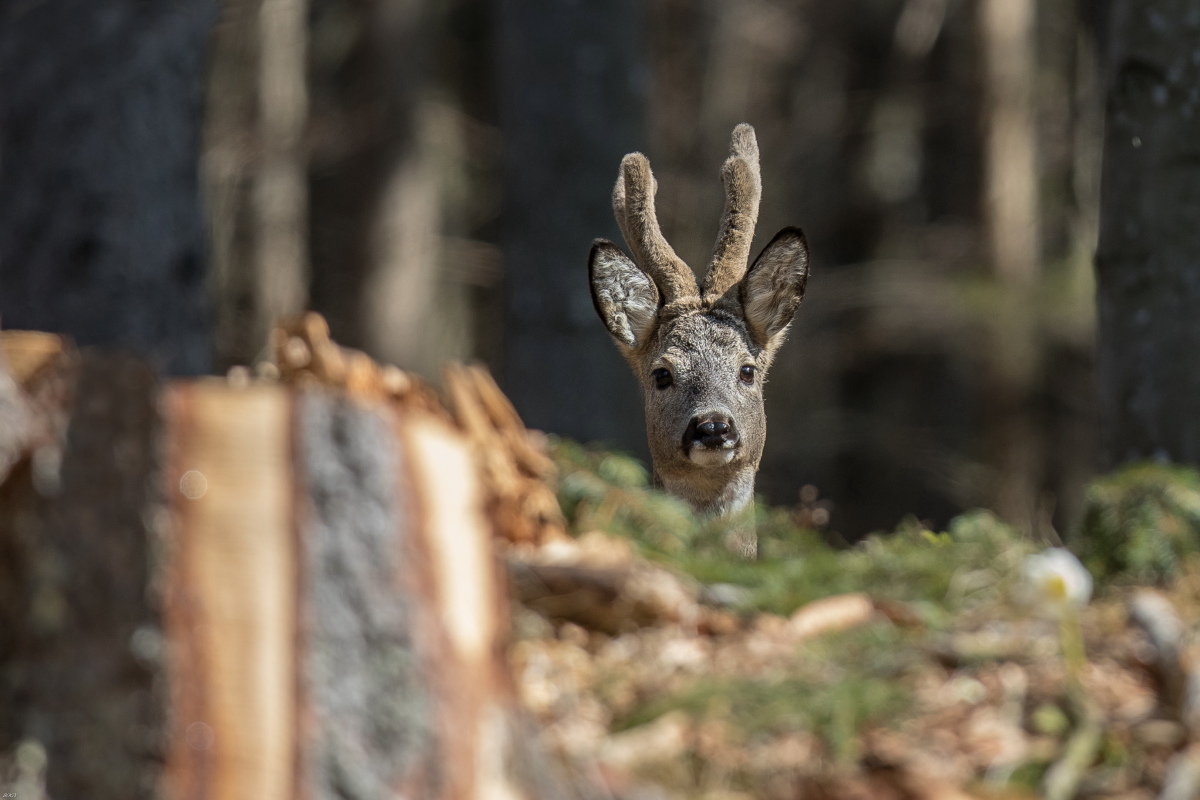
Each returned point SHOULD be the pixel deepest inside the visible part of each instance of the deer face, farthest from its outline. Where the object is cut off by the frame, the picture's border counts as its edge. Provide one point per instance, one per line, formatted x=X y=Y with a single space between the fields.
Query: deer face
x=701 y=354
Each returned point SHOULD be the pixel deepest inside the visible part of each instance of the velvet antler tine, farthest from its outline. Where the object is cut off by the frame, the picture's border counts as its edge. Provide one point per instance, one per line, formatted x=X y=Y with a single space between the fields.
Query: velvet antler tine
x=744 y=143
x=636 y=189
x=618 y=205
x=743 y=190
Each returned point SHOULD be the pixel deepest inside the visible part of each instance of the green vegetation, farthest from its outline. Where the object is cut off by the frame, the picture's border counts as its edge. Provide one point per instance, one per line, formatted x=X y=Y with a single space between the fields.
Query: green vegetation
x=939 y=573
x=1142 y=522
x=948 y=596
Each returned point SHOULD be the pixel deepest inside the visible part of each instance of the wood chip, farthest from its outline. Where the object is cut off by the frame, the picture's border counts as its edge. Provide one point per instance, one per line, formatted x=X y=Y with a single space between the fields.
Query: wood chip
x=28 y=353
x=829 y=614
x=36 y=383
x=303 y=352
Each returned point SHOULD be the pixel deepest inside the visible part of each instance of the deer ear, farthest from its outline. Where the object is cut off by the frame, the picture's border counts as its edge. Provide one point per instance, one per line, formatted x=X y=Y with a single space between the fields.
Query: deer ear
x=774 y=286
x=625 y=297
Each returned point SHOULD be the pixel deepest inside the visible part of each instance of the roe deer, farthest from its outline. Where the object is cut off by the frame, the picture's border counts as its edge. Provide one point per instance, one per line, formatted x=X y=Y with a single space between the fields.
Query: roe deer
x=701 y=353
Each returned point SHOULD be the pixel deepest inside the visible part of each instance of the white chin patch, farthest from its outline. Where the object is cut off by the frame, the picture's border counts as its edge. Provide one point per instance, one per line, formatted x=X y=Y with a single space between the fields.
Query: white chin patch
x=703 y=457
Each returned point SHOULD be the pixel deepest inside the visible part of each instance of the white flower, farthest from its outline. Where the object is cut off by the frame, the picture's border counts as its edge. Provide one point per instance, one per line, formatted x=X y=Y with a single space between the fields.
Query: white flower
x=1054 y=580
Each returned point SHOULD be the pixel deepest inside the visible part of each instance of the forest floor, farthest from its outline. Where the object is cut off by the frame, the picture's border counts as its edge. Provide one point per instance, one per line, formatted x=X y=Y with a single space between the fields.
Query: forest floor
x=918 y=664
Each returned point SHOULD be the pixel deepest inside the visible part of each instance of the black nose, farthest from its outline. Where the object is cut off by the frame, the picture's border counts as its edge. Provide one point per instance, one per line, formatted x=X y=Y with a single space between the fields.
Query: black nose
x=711 y=430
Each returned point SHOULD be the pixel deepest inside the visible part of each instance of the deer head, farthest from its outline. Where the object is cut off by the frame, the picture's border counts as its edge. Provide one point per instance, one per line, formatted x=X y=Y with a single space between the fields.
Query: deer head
x=701 y=353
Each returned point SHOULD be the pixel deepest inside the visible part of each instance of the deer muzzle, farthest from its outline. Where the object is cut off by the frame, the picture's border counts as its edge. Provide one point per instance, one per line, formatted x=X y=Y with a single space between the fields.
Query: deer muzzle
x=710 y=439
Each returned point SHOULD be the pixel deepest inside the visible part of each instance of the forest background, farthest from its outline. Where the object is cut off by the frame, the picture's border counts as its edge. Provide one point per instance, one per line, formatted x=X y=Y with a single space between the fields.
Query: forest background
x=429 y=175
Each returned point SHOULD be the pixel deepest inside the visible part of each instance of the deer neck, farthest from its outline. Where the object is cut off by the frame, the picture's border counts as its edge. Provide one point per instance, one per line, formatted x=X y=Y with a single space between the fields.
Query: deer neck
x=711 y=492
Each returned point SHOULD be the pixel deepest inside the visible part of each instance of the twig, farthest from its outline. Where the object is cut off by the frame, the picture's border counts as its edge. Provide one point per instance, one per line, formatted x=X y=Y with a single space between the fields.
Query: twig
x=1063 y=777
x=1154 y=614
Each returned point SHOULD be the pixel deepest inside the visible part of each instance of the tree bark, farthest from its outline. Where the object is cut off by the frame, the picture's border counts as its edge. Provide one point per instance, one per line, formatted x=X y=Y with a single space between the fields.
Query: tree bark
x=78 y=623
x=1148 y=260
x=101 y=234
x=572 y=86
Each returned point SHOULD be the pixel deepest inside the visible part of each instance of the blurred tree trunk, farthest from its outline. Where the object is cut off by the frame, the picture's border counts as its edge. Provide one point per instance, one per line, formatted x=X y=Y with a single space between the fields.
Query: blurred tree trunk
x=381 y=144
x=572 y=86
x=1011 y=142
x=101 y=234
x=255 y=171
x=366 y=64
x=1148 y=261
x=1011 y=222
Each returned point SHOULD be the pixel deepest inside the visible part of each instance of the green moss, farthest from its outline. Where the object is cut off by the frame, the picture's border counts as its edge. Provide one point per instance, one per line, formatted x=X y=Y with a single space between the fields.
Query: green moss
x=1141 y=523
x=1028 y=776
x=1049 y=719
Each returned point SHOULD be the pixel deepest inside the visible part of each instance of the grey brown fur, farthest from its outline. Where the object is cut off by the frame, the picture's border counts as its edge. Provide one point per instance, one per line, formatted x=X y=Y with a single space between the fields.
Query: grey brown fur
x=701 y=352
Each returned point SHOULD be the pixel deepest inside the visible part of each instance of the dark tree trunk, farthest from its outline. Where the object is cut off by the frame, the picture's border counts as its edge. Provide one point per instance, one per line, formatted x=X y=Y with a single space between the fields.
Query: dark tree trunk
x=1148 y=262
x=101 y=232
x=572 y=86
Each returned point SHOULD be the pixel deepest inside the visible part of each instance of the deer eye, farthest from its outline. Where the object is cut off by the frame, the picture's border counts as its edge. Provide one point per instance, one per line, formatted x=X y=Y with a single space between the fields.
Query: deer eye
x=747 y=374
x=662 y=378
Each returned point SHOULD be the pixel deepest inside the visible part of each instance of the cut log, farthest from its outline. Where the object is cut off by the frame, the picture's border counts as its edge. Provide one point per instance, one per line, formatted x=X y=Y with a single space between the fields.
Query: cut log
x=257 y=590
x=232 y=602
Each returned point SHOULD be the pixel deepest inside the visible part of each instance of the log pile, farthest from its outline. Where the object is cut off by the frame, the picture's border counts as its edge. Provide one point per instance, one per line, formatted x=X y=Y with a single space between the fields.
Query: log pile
x=277 y=585
x=515 y=468
x=513 y=464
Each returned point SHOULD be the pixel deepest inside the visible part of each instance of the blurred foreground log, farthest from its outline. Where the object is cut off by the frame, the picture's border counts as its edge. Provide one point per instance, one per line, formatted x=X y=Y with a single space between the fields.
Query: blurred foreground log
x=248 y=589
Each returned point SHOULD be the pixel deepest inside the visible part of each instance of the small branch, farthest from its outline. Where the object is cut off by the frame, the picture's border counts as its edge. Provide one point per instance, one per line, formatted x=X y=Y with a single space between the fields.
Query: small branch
x=1154 y=614
x=1062 y=779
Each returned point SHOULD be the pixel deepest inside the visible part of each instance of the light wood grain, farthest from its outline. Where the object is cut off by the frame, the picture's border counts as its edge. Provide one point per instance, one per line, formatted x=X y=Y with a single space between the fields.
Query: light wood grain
x=235 y=568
